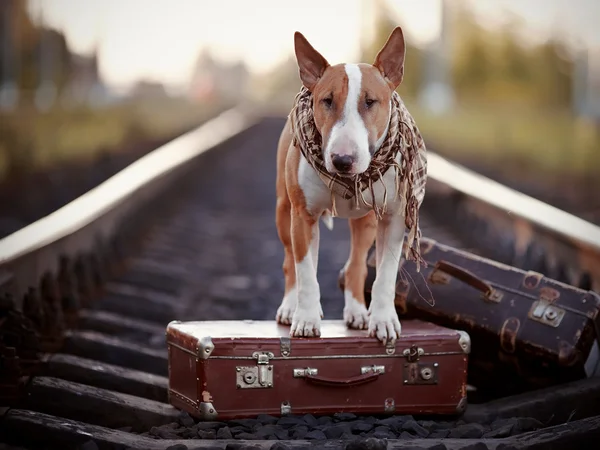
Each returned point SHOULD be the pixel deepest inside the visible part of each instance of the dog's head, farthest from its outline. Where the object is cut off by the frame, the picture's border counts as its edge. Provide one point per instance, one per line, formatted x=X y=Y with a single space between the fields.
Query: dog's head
x=351 y=102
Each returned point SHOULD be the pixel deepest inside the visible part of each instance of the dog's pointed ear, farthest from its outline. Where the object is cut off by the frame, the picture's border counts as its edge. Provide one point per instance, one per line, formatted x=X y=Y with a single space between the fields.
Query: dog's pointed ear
x=311 y=63
x=390 y=59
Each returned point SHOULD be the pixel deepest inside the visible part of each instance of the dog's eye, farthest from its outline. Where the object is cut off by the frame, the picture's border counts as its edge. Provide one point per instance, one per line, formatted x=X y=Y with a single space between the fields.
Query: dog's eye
x=369 y=102
x=328 y=101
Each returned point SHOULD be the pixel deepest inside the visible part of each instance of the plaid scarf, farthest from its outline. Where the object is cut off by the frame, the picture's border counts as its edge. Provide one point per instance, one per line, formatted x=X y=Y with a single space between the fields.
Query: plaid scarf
x=403 y=137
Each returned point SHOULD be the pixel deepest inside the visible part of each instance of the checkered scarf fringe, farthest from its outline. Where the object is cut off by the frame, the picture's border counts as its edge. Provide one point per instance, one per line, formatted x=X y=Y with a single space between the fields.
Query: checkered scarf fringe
x=403 y=136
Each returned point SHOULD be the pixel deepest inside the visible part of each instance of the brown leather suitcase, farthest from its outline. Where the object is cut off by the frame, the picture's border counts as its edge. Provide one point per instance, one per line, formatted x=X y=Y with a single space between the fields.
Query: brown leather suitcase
x=527 y=331
x=221 y=370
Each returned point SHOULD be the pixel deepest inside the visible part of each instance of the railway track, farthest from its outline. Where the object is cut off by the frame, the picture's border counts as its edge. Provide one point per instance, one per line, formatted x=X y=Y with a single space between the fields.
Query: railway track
x=188 y=234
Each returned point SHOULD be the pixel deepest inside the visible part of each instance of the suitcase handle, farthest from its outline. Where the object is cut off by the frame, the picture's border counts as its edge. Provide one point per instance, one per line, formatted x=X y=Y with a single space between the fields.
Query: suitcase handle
x=352 y=381
x=468 y=278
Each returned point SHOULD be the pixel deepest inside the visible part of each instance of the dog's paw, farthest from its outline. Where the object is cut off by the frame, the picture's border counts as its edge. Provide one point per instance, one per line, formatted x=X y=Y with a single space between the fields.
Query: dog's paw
x=286 y=310
x=306 y=322
x=384 y=324
x=356 y=315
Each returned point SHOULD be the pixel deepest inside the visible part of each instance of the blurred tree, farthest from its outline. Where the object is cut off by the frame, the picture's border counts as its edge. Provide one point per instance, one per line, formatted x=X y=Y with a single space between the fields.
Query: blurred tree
x=413 y=66
x=514 y=60
x=26 y=38
x=473 y=66
x=494 y=65
x=16 y=147
x=554 y=69
x=62 y=56
x=512 y=77
x=490 y=66
x=285 y=78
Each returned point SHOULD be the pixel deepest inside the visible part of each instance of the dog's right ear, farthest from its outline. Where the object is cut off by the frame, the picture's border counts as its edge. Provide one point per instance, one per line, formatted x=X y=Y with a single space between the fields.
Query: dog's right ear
x=311 y=63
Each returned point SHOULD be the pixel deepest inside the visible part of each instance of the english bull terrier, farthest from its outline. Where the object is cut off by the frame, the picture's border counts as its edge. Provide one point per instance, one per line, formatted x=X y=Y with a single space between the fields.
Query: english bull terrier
x=349 y=149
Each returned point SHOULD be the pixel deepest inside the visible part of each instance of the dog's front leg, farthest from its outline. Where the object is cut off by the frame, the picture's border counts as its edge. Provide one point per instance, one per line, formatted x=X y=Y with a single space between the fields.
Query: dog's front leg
x=306 y=320
x=383 y=320
x=363 y=231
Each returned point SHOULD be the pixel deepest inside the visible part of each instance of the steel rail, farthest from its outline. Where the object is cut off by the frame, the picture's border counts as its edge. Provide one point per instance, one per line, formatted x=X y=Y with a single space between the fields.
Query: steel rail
x=33 y=251
x=563 y=236
x=568 y=245
x=513 y=202
x=109 y=194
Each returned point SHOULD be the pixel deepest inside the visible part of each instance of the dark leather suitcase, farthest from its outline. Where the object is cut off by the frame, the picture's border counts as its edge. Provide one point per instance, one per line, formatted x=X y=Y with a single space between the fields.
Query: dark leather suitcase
x=527 y=331
x=221 y=370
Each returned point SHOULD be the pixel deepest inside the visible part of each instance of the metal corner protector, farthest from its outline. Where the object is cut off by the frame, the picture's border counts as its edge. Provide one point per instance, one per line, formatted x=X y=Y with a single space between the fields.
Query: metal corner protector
x=205 y=347
x=464 y=341
x=207 y=411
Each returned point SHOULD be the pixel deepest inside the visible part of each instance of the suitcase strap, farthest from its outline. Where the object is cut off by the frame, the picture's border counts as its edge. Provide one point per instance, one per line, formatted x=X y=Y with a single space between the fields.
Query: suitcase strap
x=346 y=382
x=467 y=277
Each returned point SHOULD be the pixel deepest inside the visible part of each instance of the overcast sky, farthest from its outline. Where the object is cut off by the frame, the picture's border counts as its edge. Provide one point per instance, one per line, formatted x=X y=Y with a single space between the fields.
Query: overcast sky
x=161 y=38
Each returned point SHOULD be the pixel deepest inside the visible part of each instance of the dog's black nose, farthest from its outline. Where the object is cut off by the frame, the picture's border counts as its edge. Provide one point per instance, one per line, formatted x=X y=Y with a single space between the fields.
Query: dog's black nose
x=342 y=163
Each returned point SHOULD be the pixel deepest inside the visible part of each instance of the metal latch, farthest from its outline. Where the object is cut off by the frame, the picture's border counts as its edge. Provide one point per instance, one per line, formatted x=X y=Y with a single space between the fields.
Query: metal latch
x=262 y=357
x=285 y=346
x=545 y=311
x=415 y=372
x=256 y=377
x=413 y=353
x=420 y=373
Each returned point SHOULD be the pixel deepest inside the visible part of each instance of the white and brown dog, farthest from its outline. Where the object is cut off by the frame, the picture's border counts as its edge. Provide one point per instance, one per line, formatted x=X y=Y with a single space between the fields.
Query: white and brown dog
x=353 y=111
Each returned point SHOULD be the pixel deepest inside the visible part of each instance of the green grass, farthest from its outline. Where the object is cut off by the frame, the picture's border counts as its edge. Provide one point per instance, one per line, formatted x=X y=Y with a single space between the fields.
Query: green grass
x=37 y=140
x=515 y=139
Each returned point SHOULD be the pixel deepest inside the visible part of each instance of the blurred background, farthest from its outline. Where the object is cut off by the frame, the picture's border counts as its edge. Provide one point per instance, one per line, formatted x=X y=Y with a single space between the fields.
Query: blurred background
x=510 y=88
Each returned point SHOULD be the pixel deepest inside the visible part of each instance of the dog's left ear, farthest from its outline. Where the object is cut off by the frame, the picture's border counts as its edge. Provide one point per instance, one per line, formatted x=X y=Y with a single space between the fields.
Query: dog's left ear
x=390 y=59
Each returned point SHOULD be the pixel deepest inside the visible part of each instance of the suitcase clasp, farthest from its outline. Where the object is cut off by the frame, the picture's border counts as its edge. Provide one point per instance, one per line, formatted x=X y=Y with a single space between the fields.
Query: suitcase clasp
x=262 y=357
x=412 y=354
x=545 y=311
x=420 y=373
x=256 y=377
x=415 y=372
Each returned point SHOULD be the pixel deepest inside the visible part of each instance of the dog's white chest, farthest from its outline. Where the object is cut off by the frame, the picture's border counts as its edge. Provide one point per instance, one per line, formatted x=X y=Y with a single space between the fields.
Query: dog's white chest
x=320 y=198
